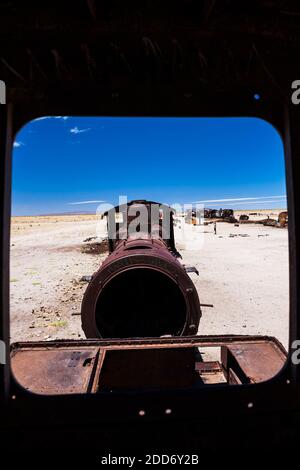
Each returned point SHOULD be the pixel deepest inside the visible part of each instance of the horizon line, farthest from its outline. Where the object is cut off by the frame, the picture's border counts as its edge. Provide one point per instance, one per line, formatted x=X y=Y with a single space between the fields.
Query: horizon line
x=58 y=214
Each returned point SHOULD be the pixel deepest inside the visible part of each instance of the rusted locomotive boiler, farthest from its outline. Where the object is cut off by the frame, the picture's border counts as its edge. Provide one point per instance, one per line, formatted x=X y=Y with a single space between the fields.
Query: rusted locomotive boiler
x=141 y=289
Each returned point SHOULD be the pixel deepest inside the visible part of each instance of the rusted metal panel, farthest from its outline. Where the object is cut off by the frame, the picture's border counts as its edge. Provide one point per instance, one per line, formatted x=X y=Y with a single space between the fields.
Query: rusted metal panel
x=55 y=370
x=133 y=343
x=209 y=366
x=210 y=372
x=90 y=366
x=232 y=378
x=253 y=362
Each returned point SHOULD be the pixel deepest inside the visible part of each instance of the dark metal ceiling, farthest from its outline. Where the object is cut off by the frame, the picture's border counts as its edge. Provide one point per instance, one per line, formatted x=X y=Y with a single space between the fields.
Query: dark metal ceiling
x=79 y=47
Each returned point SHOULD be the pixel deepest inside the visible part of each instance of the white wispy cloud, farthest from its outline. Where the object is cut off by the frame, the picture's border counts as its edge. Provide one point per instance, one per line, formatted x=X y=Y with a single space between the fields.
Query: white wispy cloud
x=84 y=202
x=18 y=143
x=42 y=118
x=76 y=130
x=268 y=201
x=243 y=199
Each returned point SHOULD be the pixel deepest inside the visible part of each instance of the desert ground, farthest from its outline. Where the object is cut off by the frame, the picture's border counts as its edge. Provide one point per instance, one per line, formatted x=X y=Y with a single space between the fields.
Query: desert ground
x=243 y=272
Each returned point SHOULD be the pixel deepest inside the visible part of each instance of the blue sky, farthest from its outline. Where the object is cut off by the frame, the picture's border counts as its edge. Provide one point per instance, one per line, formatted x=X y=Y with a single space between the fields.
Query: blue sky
x=65 y=160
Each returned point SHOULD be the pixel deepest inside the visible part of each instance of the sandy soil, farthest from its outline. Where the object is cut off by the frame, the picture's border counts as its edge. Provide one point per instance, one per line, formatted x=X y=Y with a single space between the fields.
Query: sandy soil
x=244 y=277
x=47 y=264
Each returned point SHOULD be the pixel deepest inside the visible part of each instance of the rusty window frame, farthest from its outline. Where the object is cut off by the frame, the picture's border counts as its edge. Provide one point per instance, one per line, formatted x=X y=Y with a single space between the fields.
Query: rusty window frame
x=278 y=392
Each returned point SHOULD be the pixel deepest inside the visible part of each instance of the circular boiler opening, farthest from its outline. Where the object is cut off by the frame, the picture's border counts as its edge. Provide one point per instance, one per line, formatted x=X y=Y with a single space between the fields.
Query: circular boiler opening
x=140 y=302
